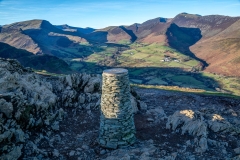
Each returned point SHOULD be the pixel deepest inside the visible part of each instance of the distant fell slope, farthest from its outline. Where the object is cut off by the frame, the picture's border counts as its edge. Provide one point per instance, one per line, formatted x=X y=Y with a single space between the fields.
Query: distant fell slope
x=17 y=38
x=151 y=31
x=38 y=36
x=220 y=42
x=154 y=21
x=38 y=24
x=39 y=62
x=66 y=27
x=165 y=32
x=222 y=51
x=136 y=32
x=7 y=51
x=158 y=30
x=112 y=34
x=213 y=39
x=32 y=24
x=209 y=25
x=130 y=34
x=233 y=31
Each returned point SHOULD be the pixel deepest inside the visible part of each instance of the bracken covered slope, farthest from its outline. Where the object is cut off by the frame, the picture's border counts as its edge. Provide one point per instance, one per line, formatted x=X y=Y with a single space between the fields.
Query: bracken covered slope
x=219 y=45
x=38 y=36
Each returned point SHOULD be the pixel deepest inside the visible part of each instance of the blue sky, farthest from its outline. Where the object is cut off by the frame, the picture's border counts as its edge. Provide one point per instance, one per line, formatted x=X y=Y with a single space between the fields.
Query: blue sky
x=103 y=13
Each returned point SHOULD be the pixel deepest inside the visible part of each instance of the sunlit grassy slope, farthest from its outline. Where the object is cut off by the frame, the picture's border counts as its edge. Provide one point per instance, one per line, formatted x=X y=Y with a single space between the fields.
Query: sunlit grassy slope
x=142 y=55
x=153 y=55
x=230 y=84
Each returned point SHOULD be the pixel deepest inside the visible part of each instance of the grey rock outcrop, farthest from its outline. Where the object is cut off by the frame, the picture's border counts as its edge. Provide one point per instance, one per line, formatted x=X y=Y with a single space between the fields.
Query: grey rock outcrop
x=192 y=123
x=6 y=108
x=199 y=124
x=14 y=154
x=217 y=123
x=25 y=99
x=30 y=102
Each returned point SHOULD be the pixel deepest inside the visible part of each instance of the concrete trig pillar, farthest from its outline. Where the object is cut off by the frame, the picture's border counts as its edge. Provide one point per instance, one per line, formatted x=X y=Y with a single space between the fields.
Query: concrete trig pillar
x=116 y=122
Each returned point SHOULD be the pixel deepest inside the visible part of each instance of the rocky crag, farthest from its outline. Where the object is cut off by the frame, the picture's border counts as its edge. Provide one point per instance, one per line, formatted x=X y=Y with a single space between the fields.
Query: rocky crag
x=45 y=117
x=189 y=126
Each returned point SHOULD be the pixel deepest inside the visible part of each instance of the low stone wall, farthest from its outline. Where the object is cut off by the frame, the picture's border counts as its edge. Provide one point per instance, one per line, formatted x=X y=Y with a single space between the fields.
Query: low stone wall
x=116 y=121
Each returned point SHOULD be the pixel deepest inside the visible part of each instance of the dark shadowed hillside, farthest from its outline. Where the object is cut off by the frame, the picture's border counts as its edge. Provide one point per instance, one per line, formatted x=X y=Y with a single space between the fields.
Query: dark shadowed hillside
x=7 y=51
x=17 y=38
x=39 y=62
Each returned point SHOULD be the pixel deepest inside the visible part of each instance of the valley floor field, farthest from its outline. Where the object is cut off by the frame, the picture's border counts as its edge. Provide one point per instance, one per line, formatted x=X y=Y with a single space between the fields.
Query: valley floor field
x=152 y=64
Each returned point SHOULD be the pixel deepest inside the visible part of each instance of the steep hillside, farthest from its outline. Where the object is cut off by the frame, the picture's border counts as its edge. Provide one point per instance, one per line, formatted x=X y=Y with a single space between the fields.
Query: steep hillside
x=222 y=51
x=164 y=32
x=7 y=51
x=182 y=38
x=113 y=34
x=48 y=36
x=39 y=37
x=40 y=62
x=32 y=24
x=219 y=45
x=209 y=25
x=150 y=31
x=17 y=38
x=46 y=62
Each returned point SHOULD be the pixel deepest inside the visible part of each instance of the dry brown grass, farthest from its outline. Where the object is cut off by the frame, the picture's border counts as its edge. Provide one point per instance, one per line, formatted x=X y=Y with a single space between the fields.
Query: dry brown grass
x=153 y=38
x=222 y=55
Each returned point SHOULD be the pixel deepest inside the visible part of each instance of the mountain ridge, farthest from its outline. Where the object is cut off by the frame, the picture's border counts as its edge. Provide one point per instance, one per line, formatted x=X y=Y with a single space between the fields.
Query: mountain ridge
x=194 y=35
x=66 y=27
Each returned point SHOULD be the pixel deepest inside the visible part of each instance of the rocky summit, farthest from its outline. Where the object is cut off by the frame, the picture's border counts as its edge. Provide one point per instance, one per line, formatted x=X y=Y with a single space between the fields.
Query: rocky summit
x=49 y=117
x=37 y=112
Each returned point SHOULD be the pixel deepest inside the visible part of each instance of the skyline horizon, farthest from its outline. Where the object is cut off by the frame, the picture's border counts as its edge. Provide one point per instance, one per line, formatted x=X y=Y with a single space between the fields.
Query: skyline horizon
x=95 y=14
x=116 y=25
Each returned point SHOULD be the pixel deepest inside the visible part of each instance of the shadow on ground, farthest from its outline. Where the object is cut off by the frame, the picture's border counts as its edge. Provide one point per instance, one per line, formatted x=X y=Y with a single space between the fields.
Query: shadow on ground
x=182 y=38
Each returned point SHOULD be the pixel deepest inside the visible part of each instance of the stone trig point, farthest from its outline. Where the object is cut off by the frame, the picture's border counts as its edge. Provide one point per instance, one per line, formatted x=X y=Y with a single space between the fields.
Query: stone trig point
x=116 y=121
